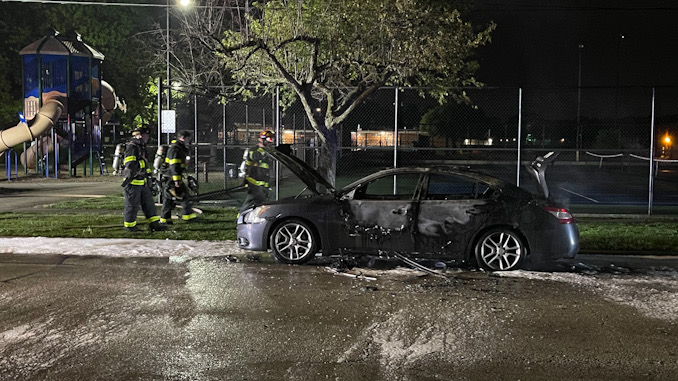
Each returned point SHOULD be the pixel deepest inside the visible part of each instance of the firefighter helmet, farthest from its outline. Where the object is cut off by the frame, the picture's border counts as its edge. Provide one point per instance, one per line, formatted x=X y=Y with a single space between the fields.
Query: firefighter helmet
x=267 y=136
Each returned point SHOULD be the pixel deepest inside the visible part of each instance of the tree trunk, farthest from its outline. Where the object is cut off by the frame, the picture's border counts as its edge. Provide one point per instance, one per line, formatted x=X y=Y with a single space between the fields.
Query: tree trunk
x=327 y=162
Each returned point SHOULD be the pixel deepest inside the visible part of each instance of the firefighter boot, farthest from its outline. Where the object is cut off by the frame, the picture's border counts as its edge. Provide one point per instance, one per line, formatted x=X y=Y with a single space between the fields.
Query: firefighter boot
x=156 y=226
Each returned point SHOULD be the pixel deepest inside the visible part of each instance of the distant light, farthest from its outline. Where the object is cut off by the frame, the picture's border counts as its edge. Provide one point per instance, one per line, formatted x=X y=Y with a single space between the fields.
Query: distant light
x=562 y=140
x=667 y=139
x=466 y=142
x=489 y=141
x=184 y=3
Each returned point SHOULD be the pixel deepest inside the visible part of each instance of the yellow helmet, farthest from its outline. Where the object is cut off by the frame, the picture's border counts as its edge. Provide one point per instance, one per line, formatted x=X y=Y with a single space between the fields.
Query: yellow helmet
x=267 y=135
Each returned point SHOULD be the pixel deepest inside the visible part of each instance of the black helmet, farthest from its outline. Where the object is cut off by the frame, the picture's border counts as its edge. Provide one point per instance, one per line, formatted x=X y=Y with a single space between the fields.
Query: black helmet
x=184 y=134
x=140 y=130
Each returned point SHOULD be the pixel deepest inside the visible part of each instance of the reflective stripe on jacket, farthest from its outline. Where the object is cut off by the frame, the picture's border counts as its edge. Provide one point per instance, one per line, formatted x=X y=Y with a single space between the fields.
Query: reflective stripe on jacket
x=176 y=159
x=135 y=162
x=257 y=168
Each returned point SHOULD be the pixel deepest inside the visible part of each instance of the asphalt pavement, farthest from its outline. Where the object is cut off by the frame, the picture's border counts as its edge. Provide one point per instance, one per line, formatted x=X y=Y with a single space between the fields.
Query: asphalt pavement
x=37 y=194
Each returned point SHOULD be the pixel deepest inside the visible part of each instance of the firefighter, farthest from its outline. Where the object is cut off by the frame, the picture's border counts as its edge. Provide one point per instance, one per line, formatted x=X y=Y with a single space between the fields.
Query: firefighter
x=174 y=189
x=137 y=185
x=257 y=171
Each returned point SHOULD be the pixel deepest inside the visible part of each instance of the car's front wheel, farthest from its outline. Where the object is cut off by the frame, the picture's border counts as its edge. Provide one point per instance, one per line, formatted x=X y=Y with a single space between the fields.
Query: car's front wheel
x=293 y=242
x=500 y=250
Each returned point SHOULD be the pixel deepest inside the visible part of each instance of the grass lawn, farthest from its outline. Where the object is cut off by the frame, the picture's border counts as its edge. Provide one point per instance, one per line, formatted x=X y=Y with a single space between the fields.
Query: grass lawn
x=629 y=235
x=102 y=218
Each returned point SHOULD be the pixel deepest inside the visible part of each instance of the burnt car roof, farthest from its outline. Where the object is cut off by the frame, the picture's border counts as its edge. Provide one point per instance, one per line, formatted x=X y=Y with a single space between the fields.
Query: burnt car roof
x=433 y=169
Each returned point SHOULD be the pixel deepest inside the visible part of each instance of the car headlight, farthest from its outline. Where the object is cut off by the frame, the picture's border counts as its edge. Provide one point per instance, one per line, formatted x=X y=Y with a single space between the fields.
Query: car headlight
x=253 y=217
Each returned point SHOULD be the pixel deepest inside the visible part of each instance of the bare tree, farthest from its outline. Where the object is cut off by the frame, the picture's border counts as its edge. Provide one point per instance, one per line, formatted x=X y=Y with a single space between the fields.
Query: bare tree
x=327 y=54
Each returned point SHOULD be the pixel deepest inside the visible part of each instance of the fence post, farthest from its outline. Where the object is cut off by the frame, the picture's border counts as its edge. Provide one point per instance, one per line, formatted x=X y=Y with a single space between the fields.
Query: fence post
x=195 y=131
x=277 y=139
x=159 y=84
x=224 y=139
x=520 y=120
x=247 y=125
x=395 y=132
x=651 y=156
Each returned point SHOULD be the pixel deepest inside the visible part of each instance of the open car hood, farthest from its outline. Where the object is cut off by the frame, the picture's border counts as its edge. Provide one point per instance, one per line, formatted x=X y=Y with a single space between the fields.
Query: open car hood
x=537 y=169
x=315 y=183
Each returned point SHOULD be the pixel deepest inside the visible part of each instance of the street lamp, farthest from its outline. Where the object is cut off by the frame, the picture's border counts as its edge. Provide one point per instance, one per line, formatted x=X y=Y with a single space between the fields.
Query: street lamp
x=168 y=45
x=667 y=152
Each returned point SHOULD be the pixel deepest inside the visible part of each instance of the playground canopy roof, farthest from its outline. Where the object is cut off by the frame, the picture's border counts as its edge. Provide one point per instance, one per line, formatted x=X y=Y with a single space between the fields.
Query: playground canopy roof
x=70 y=44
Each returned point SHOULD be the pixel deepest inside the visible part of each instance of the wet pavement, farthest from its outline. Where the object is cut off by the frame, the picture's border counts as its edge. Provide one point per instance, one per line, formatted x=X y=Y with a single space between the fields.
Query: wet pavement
x=226 y=318
x=36 y=195
x=108 y=312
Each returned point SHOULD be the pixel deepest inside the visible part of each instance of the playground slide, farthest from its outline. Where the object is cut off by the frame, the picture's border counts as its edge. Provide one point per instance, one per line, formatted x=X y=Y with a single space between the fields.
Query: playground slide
x=44 y=120
x=17 y=134
x=109 y=102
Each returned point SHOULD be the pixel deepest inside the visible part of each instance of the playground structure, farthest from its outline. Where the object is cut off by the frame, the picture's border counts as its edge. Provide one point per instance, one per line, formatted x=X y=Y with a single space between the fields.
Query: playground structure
x=66 y=105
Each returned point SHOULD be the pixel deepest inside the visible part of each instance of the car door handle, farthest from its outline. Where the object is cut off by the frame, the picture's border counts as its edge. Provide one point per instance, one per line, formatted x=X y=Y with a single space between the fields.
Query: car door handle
x=399 y=211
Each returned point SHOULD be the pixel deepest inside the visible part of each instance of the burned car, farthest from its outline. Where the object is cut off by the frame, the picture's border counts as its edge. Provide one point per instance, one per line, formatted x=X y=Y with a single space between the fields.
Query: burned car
x=443 y=213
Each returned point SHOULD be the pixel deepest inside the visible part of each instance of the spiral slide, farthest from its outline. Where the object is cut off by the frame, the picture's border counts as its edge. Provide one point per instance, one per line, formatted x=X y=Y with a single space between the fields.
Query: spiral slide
x=53 y=106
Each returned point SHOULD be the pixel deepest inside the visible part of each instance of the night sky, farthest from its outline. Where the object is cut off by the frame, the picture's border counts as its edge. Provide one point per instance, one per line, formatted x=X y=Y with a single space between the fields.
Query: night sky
x=536 y=43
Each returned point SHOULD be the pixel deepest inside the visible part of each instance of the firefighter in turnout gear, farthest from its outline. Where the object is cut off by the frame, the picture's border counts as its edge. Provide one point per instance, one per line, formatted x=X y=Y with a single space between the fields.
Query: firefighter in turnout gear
x=138 y=192
x=257 y=171
x=174 y=189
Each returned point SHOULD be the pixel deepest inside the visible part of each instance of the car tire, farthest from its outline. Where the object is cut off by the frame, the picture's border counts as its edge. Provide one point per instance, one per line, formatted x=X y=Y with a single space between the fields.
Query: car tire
x=500 y=249
x=293 y=242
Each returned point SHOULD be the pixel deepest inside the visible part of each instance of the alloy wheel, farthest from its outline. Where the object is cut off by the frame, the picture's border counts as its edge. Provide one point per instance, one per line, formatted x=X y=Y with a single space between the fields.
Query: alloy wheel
x=293 y=242
x=500 y=250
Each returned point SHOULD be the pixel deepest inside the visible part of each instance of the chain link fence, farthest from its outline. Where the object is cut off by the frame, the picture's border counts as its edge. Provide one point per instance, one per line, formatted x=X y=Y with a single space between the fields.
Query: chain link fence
x=616 y=145
x=605 y=137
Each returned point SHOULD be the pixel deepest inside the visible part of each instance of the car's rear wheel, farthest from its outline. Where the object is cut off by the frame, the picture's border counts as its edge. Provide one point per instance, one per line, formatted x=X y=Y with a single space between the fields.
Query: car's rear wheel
x=500 y=249
x=293 y=242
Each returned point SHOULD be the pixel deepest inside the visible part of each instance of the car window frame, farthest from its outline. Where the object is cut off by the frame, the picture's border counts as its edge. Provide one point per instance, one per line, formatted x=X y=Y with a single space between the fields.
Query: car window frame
x=357 y=193
x=475 y=195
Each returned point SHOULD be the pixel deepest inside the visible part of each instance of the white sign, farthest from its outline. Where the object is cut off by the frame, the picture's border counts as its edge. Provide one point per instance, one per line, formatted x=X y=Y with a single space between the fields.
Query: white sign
x=169 y=121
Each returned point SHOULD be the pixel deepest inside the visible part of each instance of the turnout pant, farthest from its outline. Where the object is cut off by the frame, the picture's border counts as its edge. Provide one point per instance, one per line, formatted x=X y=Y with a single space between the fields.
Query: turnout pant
x=256 y=195
x=169 y=203
x=139 y=196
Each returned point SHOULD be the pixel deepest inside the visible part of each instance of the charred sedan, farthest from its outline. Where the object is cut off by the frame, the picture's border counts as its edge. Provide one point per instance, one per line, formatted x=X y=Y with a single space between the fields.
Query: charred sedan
x=443 y=213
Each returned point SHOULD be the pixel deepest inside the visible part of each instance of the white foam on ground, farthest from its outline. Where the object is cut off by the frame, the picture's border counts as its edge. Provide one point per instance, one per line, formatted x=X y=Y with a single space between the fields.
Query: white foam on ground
x=655 y=295
x=117 y=247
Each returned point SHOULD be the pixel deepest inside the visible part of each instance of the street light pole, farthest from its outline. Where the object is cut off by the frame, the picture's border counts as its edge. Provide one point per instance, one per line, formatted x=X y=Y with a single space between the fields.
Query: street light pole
x=579 y=132
x=167 y=83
